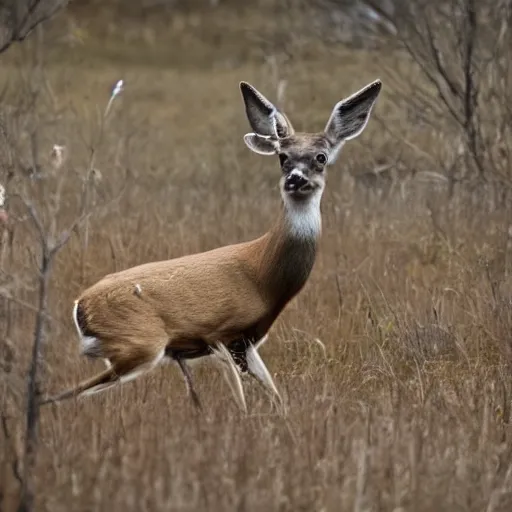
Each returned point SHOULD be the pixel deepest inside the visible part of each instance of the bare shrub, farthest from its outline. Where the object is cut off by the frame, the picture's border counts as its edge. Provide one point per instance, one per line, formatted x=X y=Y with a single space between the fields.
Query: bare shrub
x=465 y=89
x=19 y=17
x=37 y=183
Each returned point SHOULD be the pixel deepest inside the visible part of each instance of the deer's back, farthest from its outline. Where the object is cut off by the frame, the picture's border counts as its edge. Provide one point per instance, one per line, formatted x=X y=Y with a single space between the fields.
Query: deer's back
x=212 y=296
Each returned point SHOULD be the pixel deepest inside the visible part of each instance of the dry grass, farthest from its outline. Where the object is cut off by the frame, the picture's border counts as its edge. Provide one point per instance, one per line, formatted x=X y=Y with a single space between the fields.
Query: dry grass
x=408 y=406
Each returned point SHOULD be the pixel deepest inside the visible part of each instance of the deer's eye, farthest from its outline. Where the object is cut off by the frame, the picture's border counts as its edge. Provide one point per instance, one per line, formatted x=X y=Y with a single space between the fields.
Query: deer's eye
x=321 y=158
x=282 y=158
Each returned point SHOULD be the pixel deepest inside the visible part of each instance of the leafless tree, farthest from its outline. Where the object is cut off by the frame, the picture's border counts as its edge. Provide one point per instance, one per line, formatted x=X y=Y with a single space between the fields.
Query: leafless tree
x=19 y=17
x=35 y=201
x=462 y=49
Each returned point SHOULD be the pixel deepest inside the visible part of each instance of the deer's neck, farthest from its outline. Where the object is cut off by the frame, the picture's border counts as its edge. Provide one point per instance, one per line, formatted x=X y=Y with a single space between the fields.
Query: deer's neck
x=290 y=249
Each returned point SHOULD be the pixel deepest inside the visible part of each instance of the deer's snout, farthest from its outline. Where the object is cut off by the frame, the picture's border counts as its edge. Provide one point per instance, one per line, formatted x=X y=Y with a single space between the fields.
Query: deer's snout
x=295 y=181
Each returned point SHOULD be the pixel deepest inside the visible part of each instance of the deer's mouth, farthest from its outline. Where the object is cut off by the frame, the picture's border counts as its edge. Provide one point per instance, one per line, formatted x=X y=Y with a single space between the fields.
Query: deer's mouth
x=296 y=184
x=305 y=190
x=300 y=192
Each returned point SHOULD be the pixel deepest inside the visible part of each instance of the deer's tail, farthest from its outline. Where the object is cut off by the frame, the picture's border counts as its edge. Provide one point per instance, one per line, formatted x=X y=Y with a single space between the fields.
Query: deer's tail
x=106 y=377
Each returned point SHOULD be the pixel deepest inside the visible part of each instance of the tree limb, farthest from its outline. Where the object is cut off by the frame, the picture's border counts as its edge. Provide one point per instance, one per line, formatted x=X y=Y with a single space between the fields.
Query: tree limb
x=19 y=17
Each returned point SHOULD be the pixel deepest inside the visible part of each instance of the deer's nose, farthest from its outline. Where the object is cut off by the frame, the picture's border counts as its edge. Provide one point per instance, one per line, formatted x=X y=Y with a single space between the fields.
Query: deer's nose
x=294 y=181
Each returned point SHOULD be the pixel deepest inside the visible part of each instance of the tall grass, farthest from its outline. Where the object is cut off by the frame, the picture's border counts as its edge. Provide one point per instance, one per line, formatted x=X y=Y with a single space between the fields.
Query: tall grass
x=395 y=359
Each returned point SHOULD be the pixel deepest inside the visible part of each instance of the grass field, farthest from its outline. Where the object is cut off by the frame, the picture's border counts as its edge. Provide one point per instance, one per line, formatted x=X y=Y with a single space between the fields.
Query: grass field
x=395 y=359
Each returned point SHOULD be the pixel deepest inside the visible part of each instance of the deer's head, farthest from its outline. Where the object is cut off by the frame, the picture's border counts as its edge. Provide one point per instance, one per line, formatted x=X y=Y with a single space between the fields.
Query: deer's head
x=304 y=157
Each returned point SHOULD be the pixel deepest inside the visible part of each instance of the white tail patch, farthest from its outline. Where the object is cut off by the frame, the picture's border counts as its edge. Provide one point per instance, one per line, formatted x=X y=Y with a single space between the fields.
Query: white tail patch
x=75 y=309
x=90 y=345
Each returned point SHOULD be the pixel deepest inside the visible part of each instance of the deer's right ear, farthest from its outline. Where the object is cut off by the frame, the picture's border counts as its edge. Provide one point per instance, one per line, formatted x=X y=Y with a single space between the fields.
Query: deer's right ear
x=261 y=144
x=262 y=115
x=350 y=116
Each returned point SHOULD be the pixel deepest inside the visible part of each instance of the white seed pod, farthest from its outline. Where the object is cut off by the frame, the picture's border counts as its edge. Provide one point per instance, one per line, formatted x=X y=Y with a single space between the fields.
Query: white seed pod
x=117 y=88
x=58 y=155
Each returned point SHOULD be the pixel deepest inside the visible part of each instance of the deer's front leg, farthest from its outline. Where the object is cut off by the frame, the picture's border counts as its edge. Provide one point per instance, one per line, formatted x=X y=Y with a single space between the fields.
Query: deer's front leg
x=249 y=361
x=257 y=369
x=185 y=370
x=231 y=373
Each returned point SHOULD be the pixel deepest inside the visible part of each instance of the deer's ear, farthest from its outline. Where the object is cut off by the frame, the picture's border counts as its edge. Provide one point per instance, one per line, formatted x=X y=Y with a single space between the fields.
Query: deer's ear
x=262 y=115
x=261 y=144
x=350 y=116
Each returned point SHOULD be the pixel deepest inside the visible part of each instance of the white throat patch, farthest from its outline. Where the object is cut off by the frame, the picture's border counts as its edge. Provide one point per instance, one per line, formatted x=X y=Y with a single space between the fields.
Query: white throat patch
x=303 y=217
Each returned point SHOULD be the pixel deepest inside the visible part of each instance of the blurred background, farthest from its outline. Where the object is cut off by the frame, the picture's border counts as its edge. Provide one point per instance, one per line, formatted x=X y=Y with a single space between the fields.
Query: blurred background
x=395 y=360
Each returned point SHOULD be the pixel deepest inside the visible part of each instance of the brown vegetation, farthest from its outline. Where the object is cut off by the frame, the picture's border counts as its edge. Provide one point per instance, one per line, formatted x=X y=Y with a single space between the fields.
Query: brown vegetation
x=394 y=361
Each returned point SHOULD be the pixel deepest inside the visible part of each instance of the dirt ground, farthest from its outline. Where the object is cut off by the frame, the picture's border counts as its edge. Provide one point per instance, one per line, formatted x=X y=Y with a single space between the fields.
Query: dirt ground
x=395 y=359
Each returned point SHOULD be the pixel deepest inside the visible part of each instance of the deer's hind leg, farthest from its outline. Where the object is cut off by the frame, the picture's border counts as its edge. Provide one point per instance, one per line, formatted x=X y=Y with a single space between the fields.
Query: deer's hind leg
x=131 y=356
x=128 y=369
x=129 y=360
x=99 y=387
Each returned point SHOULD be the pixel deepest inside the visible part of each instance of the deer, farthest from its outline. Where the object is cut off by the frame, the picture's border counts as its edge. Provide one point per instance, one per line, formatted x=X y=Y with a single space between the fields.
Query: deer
x=224 y=301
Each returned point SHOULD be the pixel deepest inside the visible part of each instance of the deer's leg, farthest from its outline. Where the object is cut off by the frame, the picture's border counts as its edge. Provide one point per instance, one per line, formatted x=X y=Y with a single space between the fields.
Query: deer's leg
x=133 y=363
x=261 y=342
x=98 y=388
x=146 y=364
x=238 y=351
x=250 y=361
x=229 y=366
x=100 y=381
x=127 y=370
x=185 y=370
x=257 y=369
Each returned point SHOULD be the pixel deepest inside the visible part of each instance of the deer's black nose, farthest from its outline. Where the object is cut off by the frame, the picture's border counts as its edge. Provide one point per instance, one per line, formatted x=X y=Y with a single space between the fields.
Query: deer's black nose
x=294 y=181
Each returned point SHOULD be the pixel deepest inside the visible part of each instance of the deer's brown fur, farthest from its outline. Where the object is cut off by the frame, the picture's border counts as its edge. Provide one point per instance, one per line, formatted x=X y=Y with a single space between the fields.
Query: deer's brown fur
x=216 y=296
x=227 y=297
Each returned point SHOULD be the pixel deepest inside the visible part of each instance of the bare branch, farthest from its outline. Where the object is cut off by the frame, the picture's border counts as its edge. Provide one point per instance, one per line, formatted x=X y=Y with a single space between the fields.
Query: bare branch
x=66 y=234
x=438 y=61
x=19 y=17
x=8 y=438
x=436 y=82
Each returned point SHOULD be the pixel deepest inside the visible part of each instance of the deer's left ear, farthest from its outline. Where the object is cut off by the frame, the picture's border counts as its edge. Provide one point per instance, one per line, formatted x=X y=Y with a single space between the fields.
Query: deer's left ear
x=350 y=116
x=263 y=116
x=261 y=144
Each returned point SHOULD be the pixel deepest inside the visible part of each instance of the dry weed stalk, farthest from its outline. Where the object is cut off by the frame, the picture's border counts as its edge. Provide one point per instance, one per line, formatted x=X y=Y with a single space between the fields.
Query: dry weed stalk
x=93 y=175
x=50 y=244
x=39 y=208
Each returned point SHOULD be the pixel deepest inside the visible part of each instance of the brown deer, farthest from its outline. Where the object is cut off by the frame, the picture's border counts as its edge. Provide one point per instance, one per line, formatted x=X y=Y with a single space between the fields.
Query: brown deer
x=222 y=302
